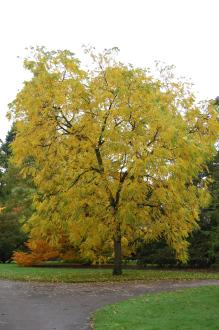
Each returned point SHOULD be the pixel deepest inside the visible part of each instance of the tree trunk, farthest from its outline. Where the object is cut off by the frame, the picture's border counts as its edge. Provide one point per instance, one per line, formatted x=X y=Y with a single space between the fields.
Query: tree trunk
x=117 y=269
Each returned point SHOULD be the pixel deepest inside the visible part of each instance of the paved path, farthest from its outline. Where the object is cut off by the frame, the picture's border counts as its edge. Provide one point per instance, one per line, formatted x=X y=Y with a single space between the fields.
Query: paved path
x=38 y=306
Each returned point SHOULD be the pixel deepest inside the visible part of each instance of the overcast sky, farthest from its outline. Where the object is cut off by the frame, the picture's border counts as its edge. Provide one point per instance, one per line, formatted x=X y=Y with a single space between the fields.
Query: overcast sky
x=180 y=32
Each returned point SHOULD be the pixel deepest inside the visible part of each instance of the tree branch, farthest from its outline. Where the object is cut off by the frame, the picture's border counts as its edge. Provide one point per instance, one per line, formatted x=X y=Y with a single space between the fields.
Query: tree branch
x=154 y=137
x=78 y=178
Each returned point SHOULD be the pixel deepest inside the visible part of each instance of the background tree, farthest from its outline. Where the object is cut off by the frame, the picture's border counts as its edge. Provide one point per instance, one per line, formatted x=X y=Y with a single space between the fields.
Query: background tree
x=15 y=201
x=11 y=235
x=113 y=153
x=204 y=250
x=5 y=153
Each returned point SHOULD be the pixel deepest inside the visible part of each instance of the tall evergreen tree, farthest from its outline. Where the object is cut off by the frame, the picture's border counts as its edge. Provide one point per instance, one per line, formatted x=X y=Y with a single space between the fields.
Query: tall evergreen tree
x=204 y=248
x=15 y=201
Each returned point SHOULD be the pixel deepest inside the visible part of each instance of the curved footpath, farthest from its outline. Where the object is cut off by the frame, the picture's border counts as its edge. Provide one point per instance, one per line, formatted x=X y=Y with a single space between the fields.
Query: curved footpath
x=40 y=306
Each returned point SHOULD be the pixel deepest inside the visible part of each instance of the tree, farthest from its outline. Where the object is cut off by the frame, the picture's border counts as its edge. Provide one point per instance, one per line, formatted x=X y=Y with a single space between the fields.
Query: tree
x=11 y=235
x=204 y=250
x=113 y=153
x=5 y=153
x=15 y=201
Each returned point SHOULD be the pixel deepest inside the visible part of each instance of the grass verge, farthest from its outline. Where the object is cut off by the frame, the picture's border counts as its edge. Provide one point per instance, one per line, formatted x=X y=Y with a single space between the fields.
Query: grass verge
x=188 y=309
x=70 y=275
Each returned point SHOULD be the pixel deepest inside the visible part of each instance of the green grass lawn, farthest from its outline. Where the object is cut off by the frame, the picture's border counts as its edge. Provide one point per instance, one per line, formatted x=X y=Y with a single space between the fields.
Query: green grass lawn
x=70 y=275
x=188 y=309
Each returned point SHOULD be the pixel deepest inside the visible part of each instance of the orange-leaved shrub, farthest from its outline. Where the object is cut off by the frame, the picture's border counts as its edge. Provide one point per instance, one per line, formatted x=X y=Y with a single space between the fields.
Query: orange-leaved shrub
x=40 y=251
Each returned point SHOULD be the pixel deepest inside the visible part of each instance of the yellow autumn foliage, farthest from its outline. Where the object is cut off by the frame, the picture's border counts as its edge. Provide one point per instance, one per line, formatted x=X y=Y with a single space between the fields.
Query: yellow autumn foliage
x=115 y=154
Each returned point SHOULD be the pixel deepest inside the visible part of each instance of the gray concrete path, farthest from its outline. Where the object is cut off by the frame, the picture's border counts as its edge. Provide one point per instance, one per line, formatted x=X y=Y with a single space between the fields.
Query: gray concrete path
x=39 y=306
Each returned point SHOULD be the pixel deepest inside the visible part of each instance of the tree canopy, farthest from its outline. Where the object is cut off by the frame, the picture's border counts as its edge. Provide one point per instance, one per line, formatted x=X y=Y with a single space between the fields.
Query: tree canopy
x=113 y=153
